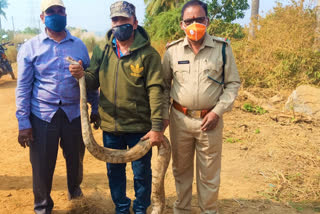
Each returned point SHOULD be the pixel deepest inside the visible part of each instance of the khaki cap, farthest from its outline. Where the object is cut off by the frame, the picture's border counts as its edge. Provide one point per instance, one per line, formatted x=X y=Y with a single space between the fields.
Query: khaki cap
x=45 y=4
x=122 y=8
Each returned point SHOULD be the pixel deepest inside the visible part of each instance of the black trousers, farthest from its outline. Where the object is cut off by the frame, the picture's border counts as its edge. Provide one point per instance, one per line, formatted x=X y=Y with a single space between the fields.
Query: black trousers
x=43 y=156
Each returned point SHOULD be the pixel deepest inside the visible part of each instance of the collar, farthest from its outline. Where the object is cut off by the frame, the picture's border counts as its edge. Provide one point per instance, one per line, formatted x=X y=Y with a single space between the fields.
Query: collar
x=114 y=41
x=208 y=41
x=117 y=49
x=43 y=36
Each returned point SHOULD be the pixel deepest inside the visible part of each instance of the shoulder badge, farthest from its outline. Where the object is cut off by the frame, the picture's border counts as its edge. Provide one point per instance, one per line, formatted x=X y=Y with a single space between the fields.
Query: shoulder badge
x=169 y=44
x=219 y=39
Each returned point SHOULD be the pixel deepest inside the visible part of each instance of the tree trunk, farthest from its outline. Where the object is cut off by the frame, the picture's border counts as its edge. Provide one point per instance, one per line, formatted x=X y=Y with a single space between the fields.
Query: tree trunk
x=254 y=18
x=316 y=44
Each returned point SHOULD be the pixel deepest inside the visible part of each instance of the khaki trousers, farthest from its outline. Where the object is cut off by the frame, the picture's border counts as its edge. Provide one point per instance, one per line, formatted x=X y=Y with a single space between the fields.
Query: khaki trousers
x=186 y=139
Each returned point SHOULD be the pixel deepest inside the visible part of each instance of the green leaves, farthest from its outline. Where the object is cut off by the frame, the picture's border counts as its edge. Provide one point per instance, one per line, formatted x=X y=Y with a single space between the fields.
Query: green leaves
x=154 y=7
x=218 y=27
x=165 y=26
x=254 y=109
x=227 y=10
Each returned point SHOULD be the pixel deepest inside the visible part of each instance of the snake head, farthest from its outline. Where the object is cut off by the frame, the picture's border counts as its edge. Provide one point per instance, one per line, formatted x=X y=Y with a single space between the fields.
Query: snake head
x=71 y=60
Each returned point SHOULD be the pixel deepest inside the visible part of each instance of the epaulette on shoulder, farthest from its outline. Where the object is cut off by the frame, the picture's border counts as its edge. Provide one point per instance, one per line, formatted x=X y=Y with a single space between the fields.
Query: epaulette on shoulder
x=169 y=44
x=219 y=39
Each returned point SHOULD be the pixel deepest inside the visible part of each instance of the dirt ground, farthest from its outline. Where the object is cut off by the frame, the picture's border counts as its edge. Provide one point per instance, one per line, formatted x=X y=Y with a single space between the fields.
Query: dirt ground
x=266 y=167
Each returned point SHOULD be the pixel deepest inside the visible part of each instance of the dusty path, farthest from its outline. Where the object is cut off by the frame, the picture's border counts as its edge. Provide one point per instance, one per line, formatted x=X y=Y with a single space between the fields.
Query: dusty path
x=249 y=161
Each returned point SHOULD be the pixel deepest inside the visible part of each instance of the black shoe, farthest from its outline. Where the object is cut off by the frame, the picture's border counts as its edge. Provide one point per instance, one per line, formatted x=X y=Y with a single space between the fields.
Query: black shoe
x=76 y=194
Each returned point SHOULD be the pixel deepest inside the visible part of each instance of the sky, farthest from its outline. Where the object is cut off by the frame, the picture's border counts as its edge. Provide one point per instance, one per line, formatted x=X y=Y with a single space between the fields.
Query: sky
x=92 y=15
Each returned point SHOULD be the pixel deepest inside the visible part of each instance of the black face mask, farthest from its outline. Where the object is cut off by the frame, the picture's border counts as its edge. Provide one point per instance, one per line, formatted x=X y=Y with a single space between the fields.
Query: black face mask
x=122 y=32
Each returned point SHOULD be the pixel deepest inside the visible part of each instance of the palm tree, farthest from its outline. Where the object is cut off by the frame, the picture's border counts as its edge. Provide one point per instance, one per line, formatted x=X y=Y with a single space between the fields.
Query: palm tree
x=154 y=7
x=3 y=5
x=254 y=18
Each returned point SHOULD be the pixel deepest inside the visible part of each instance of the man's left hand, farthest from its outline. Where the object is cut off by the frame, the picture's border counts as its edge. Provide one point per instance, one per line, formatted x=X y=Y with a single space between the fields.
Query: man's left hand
x=155 y=138
x=210 y=121
x=96 y=120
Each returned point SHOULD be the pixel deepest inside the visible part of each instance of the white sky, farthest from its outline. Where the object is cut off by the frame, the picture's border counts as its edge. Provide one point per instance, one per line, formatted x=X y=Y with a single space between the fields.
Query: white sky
x=92 y=15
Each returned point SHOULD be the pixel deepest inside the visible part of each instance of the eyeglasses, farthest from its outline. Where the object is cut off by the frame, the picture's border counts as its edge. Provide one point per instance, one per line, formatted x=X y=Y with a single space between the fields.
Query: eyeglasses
x=201 y=20
x=60 y=11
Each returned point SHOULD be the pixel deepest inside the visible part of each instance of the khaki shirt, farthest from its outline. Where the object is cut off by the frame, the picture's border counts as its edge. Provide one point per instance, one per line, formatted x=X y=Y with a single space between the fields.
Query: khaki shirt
x=186 y=76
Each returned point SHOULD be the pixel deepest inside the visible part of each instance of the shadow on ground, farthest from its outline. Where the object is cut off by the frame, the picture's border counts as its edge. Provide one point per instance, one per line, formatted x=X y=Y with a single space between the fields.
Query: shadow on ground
x=252 y=206
x=90 y=181
x=8 y=84
x=97 y=203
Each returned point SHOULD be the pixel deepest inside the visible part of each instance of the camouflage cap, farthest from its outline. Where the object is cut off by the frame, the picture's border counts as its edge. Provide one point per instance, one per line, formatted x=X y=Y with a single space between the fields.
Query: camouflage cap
x=122 y=8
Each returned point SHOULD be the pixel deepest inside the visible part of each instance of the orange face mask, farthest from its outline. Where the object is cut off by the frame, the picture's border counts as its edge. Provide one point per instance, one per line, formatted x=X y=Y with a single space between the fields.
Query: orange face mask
x=195 y=31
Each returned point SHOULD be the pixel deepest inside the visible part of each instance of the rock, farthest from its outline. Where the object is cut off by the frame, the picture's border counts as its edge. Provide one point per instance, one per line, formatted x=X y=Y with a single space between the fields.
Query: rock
x=305 y=99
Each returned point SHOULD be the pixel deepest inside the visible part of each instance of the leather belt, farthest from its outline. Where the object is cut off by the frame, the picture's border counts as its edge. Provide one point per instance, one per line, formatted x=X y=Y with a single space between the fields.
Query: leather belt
x=190 y=113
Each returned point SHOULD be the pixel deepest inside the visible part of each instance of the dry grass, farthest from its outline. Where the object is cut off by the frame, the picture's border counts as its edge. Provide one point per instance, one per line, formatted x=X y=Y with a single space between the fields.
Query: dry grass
x=298 y=180
x=286 y=155
x=89 y=39
x=12 y=50
x=282 y=54
x=12 y=53
x=160 y=46
x=95 y=203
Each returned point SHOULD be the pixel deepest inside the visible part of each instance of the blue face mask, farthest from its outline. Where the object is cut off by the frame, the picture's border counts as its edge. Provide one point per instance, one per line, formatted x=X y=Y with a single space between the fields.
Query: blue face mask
x=56 y=22
x=122 y=32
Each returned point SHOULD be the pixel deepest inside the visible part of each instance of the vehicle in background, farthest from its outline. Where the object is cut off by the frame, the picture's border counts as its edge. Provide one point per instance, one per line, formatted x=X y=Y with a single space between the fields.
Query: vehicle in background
x=5 y=65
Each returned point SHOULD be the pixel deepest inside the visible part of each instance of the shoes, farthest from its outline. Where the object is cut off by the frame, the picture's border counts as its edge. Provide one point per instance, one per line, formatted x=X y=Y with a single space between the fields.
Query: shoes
x=76 y=194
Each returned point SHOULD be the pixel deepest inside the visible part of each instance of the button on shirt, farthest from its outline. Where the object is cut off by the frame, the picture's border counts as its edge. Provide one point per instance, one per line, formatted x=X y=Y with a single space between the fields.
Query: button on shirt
x=188 y=77
x=45 y=83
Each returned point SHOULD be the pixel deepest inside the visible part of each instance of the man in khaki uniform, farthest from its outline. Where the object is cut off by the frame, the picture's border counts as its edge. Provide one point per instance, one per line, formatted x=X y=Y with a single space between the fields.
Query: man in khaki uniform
x=202 y=88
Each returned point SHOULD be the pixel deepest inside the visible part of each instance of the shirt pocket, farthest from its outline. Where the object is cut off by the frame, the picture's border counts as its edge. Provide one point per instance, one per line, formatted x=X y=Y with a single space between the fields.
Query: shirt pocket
x=211 y=71
x=181 y=72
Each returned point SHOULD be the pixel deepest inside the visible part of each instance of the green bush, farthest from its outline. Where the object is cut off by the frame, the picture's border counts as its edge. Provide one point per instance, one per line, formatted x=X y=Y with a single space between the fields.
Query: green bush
x=165 y=26
x=221 y=28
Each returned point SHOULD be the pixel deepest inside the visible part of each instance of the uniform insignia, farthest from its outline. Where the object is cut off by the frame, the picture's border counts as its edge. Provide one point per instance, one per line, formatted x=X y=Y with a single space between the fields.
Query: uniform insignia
x=136 y=70
x=223 y=40
x=173 y=43
x=183 y=62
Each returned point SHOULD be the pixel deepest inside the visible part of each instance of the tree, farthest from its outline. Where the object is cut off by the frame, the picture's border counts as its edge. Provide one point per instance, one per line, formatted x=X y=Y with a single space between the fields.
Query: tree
x=3 y=5
x=254 y=18
x=164 y=25
x=227 y=10
x=154 y=7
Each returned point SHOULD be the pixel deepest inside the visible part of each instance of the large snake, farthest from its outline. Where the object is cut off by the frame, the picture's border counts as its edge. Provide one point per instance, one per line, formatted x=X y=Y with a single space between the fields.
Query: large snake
x=123 y=156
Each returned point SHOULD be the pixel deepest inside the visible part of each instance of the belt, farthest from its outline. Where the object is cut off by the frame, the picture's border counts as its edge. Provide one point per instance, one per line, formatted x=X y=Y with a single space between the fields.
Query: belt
x=190 y=113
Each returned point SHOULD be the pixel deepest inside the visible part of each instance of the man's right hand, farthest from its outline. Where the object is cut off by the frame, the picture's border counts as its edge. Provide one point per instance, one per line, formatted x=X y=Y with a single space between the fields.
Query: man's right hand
x=25 y=137
x=76 y=70
x=96 y=120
